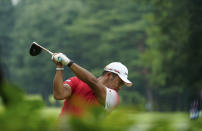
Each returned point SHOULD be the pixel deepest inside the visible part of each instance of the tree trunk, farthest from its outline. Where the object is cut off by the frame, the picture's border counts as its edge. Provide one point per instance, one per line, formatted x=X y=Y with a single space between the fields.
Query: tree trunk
x=149 y=104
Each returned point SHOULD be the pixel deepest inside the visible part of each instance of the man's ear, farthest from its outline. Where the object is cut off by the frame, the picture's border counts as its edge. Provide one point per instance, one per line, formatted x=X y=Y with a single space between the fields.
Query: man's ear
x=108 y=74
x=111 y=75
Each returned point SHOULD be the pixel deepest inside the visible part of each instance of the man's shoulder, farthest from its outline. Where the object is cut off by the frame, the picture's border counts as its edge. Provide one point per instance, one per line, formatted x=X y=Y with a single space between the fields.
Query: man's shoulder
x=112 y=99
x=72 y=81
x=75 y=79
x=114 y=92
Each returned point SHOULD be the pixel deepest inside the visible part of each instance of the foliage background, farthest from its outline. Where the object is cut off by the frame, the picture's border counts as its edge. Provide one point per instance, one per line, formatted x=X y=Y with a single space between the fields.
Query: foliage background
x=159 y=42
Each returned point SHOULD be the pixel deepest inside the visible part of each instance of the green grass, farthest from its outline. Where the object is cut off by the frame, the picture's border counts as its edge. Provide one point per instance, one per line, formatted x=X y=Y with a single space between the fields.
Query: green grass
x=142 y=120
x=1 y=109
x=178 y=120
x=50 y=112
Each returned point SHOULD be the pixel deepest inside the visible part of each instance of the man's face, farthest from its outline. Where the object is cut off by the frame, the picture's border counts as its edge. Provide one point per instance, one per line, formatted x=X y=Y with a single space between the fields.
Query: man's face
x=116 y=82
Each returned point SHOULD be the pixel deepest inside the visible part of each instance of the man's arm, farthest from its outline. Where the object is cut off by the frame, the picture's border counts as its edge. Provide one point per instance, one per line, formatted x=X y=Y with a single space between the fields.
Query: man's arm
x=85 y=76
x=91 y=80
x=60 y=91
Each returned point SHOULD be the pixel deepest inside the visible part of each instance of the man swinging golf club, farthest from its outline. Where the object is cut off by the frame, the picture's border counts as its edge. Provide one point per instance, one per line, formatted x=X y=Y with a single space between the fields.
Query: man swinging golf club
x=84 y=90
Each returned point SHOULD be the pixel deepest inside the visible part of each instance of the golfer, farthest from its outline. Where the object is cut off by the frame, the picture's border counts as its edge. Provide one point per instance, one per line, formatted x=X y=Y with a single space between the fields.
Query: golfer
x=84 y=90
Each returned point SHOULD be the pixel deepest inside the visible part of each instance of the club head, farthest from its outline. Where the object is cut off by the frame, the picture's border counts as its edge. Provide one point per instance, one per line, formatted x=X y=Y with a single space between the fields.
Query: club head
x=34 y=50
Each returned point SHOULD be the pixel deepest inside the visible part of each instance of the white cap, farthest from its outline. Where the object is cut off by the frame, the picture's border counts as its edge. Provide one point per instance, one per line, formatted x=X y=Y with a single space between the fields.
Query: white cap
x=121 y=70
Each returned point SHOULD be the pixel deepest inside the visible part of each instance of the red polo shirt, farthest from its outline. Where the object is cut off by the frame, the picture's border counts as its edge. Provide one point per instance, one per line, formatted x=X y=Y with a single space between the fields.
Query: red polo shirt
x=82 y=97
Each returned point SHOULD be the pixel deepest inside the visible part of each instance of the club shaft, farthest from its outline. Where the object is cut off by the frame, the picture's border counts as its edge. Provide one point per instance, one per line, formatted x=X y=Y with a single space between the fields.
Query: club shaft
x=43 y=48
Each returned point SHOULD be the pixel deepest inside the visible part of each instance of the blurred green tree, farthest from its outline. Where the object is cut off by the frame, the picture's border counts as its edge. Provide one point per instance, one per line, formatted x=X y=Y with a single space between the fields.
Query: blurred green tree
x=157 y=40
x=6 y=28
x=174 y=52
x=87 y=31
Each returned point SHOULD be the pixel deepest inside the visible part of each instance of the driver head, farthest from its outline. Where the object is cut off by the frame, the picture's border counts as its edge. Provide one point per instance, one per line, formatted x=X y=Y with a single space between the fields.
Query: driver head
x=34 y=50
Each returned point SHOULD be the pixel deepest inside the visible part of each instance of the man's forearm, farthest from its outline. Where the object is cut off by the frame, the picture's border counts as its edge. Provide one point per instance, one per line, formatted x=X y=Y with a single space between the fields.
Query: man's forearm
x=84 y=74
x=58 y=90
x=91 y=80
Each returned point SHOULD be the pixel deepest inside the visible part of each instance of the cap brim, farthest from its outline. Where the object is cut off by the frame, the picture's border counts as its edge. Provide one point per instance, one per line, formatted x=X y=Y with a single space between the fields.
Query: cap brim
x=126 y=81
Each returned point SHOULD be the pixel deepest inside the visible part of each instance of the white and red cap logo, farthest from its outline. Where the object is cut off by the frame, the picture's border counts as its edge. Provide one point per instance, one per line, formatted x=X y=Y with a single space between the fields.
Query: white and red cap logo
x=121 y=70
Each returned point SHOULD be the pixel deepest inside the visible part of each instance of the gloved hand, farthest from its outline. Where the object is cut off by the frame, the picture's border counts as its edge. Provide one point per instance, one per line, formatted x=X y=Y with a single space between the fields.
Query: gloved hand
x=62 y=58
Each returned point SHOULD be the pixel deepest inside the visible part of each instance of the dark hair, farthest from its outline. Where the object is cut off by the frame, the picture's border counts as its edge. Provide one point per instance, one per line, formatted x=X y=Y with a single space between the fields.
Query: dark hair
x=113 y=74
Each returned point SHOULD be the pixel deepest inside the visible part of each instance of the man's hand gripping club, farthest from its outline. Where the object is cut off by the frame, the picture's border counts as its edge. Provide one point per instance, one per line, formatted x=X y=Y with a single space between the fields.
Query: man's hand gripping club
x=61 y=58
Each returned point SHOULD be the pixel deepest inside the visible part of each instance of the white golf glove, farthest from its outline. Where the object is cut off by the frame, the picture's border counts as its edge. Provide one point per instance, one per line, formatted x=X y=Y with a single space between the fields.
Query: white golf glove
x=60 y=57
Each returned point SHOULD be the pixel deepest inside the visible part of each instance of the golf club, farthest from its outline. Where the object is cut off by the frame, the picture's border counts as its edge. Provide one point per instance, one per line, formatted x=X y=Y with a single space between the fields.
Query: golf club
x=36 y=49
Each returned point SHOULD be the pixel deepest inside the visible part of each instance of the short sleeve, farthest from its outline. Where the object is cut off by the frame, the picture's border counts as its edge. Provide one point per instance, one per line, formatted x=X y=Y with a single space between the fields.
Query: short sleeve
x=112 y=99
x=72 y=82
